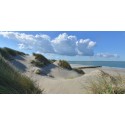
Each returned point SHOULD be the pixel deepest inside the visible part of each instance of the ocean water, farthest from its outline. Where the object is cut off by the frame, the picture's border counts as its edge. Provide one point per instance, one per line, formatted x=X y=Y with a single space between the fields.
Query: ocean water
x=117 y=64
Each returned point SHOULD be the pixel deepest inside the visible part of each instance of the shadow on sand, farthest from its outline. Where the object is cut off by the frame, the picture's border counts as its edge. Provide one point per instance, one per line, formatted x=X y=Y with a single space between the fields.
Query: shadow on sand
x=19 y=66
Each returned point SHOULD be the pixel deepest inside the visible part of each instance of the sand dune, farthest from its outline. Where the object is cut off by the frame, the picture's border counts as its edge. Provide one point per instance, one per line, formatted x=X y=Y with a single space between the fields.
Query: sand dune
x=54 y=79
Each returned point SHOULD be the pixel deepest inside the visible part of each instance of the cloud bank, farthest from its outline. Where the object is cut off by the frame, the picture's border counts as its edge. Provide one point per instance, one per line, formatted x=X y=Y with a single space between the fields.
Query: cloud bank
x=107 y=55
x=63 y=44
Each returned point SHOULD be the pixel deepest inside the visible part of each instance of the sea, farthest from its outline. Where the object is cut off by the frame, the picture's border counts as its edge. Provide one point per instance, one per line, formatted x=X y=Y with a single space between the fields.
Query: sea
x=115 y=64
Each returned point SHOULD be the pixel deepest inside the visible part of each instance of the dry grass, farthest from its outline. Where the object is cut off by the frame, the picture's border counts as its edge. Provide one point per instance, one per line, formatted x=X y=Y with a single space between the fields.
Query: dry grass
x=107 y=84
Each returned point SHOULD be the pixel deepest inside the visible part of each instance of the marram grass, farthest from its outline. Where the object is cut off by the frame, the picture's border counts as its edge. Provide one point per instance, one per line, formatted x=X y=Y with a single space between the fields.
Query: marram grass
x=107 y=85
x=13 y=82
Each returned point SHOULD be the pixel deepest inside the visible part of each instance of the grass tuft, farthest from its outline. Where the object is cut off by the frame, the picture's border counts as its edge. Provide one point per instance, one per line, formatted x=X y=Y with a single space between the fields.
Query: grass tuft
x=64 y=64
x=107 y=85
x=40 y=60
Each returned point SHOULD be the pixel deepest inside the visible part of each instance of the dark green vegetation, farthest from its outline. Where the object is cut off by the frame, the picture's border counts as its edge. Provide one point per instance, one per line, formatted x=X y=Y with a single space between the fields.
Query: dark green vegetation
x=37 y=63
x=107 y=84
x=79 y=71
x=40 y=60
x=89 y=67
x=52 y=60
x=8 y=53
x=11 y=81
x=64 y=64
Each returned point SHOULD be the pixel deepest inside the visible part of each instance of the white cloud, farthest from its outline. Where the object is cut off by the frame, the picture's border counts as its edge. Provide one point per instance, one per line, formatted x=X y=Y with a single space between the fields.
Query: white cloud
x=27 y=41
x=63 y=44
x=85 y=47
x=69 y=45
x=107 y=55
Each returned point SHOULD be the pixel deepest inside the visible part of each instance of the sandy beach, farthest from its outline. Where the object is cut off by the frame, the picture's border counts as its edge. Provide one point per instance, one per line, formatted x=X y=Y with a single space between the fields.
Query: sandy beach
x=54 y=79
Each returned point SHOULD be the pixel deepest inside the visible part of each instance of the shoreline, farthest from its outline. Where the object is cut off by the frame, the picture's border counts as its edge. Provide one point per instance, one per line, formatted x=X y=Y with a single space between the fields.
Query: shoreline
x=110 y=70
x=92 y=66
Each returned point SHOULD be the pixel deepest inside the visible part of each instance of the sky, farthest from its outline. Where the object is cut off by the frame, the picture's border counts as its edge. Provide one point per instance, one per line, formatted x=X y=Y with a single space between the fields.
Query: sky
x=68 y=45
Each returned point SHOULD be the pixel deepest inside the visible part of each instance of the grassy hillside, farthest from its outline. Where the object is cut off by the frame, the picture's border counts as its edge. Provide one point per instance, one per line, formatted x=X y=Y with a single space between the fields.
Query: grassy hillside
x=11 y=81
x=8 y=53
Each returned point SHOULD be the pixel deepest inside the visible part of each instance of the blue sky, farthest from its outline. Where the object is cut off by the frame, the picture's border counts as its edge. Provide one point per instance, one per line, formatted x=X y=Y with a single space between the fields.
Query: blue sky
x=69 y=45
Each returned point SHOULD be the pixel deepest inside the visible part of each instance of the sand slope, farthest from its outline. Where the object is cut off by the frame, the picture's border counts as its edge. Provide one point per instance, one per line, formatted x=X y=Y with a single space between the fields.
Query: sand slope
x=54 y=79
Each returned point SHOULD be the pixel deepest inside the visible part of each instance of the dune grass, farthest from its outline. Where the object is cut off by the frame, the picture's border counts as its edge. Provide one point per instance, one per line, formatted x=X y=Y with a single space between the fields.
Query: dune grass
x=12 y=82
x=64 y=64
x=37 y=63
x=8 y=53
x=107 y=85
x=40 y=60
x=52 y=60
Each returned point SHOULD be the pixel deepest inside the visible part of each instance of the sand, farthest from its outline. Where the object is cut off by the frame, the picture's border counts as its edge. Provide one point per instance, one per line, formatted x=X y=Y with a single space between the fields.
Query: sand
x=54 y=79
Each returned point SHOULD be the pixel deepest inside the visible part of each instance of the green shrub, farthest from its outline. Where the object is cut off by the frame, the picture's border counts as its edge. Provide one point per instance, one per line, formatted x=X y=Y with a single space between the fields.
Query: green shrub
x=64 y=64
x=11 y=81
x=79 y=71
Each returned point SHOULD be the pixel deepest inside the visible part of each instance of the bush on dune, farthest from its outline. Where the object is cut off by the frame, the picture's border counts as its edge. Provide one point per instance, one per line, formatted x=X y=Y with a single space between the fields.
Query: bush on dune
x=11 y=81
